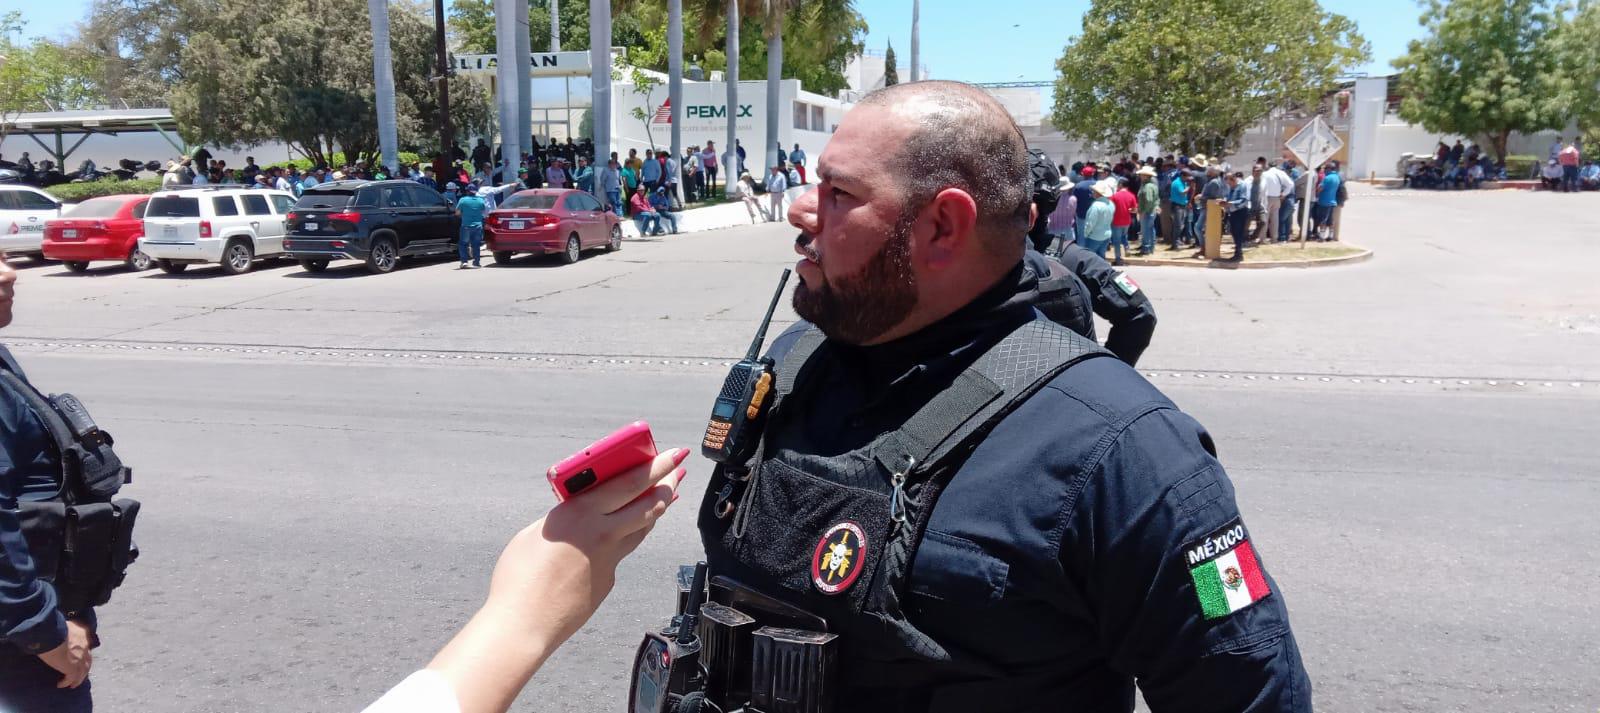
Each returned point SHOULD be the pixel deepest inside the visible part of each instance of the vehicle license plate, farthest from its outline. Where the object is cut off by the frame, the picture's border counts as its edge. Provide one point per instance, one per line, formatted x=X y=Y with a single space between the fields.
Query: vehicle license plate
x=310 y=226
x=515 y=224
x=69 y=233
x=169 y=230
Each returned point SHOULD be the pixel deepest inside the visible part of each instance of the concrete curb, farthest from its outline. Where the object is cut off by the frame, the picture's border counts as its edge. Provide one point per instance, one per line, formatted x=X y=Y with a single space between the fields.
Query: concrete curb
x=1246 y=264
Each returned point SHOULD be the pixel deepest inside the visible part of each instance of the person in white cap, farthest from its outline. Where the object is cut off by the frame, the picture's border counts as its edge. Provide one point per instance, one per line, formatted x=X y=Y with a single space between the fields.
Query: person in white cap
x=1097 y=222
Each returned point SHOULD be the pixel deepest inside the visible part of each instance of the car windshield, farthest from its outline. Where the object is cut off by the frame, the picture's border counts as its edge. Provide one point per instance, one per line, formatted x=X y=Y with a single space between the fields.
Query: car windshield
x=531 y=201
x=172 y=207
x=96 y=208
x=325 y=199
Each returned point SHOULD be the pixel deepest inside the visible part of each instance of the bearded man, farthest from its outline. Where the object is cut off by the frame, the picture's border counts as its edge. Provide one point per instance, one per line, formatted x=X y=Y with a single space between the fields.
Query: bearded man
x=1033 y=525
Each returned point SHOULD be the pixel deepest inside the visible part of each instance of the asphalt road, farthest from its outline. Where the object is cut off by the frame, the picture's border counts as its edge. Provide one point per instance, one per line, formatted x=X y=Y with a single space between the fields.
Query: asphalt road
x=330 y=463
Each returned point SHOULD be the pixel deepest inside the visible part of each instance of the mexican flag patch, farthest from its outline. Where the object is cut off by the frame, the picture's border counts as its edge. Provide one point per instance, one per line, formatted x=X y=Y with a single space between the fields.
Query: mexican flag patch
x=1126 y=284
x=1227 y=577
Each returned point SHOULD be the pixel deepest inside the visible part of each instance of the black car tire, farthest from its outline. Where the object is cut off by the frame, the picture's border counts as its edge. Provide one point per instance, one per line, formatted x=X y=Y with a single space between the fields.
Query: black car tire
x=383 y=258
x=314 y=265
x=615 y=243
x=502 y=257
x=574 y=250
x=76 y=265
x=170 y=267
x=237 y=257
x=138 y=261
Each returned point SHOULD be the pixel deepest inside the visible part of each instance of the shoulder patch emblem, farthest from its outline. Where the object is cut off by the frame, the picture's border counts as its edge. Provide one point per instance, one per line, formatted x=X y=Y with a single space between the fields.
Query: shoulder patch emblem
x=1227 y=577
x=838 y=559
x=1126 y=284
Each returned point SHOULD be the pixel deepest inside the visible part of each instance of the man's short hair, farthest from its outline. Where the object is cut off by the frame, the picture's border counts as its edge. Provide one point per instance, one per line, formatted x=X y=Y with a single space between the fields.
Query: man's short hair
x=963 y=139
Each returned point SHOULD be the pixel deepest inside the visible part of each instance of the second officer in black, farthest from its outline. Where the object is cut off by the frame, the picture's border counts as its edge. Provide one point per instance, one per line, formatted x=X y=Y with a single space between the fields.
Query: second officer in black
x=990 y=512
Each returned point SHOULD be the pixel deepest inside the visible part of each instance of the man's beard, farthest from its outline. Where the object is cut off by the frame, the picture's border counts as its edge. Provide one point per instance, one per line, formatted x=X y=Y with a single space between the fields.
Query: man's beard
x=859 y=308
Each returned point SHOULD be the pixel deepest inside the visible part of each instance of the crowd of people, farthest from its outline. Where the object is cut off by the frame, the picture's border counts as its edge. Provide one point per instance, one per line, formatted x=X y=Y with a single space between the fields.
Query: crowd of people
x=1117 y=205
x=642 y=186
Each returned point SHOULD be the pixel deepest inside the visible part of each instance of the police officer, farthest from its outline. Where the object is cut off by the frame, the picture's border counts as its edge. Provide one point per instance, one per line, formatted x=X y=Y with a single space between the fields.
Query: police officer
x=989 y=511
x=1117 y=299
x=46 y=634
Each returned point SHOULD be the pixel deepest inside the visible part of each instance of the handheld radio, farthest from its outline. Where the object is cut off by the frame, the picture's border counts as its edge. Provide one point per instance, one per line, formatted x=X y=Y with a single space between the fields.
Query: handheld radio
x=667 y=665
x=734 y=428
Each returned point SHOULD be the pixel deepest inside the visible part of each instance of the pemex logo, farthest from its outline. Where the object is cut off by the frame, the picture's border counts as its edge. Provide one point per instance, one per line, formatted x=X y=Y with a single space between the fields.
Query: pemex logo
x=663 y=113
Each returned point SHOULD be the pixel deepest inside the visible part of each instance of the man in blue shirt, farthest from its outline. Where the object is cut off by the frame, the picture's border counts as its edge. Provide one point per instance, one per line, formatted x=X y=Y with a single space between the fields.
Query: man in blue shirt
x=650 y=173
x=1327 y=198
x=1178 y=195
x=798 y=158
x=44 y=657
x=1083 y=190
x=1238 y=213
x=471 y=208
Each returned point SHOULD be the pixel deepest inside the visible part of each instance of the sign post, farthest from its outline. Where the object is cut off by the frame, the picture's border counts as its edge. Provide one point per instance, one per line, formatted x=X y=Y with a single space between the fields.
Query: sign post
x=1313 y=145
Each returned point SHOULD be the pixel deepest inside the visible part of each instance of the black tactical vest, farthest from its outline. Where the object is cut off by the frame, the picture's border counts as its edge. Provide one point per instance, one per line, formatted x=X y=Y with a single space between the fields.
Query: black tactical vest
x=81 y=539
x=786 y=526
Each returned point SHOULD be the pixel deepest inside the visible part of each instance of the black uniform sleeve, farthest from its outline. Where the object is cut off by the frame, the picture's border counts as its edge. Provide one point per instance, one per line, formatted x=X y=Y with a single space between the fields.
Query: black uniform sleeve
x=28 y=616
x=1184 y=602
x=1118 y=299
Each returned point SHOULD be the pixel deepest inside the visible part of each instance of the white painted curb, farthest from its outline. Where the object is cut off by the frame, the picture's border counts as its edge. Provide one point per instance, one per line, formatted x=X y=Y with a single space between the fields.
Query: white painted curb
x=725 y=215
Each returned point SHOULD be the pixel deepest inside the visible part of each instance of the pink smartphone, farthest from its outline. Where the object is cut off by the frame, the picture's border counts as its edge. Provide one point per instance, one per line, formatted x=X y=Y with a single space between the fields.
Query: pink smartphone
x=628 y=447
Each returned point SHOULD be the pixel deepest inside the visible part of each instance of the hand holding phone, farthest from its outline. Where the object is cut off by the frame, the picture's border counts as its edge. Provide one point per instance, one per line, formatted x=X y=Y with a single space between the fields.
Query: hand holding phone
x=630 y=446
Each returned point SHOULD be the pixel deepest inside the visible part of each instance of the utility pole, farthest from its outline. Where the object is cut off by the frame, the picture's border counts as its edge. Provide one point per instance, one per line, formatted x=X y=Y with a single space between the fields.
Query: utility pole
x=675 y=86
x=447 y=130
x=916 y=40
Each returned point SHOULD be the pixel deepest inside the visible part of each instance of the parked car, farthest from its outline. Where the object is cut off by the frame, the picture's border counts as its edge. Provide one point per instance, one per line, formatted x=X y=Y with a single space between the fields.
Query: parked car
x=227 y=225
x=106 y=228
x=551 y=220
x=23 y=212
x=377 y=222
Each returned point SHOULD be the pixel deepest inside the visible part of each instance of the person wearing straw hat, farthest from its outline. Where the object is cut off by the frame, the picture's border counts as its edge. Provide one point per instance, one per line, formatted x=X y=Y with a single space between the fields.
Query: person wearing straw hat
x=1097 y=220
x=1149 y=203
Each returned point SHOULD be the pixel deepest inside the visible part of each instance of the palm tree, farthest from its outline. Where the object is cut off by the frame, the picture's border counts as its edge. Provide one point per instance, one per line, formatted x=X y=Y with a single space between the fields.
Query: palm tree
x=383 y=78
x=600 y=77
x=507 y=85
x=775 y=10
x=675 y=82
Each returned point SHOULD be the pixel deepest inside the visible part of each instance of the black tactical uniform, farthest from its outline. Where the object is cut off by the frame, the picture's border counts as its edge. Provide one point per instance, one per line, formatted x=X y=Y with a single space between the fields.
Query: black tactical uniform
x=994 y=515
x=1118 y=299
x=58 y=475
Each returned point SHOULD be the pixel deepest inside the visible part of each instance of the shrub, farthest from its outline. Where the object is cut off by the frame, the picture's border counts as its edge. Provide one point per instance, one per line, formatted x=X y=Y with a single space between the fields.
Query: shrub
x=1519 y=167
x=79 y=192
x=337 y=160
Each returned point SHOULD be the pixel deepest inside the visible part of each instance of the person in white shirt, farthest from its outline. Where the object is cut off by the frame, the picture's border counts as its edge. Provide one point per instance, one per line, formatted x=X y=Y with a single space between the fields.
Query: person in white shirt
x=282 y=183
x=1275 y=184
x=548 y=582
x=777 y=183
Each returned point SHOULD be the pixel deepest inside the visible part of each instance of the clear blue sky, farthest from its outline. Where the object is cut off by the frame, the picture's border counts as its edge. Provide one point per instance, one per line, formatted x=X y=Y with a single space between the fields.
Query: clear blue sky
x=972 y=40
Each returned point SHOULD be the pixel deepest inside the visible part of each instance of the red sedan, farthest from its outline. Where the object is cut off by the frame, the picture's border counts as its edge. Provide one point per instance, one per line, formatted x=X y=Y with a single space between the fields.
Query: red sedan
x=550 y=220
x=105 y=228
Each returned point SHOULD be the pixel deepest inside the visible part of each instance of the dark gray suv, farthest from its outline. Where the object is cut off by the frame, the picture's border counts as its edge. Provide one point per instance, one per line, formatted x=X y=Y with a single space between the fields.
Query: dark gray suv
x=377 y=222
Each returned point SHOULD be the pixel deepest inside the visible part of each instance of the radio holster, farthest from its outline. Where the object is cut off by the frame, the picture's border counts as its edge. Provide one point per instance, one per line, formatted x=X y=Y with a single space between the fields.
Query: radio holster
x=81 y=538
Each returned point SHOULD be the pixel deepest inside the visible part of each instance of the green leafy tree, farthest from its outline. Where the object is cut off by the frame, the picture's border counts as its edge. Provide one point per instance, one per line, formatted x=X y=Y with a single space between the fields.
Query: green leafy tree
x=39 y=74
x=1488 y=68
x=139 y=43
x=644 y=85
x=1195 y=74
x=891 y=73
x=296 y=71
x=818 y=38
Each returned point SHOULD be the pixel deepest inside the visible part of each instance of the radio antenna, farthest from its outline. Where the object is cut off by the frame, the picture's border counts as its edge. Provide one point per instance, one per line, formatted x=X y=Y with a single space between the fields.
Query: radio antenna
x=761 y=334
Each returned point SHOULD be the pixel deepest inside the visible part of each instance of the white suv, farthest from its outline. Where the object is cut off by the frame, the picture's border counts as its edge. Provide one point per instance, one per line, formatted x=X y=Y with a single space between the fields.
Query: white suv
x=23 y=211
x=226 y=225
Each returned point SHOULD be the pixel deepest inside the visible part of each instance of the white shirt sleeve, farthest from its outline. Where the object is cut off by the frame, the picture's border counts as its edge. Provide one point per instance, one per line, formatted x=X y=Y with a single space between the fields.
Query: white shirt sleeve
x=422 y=692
